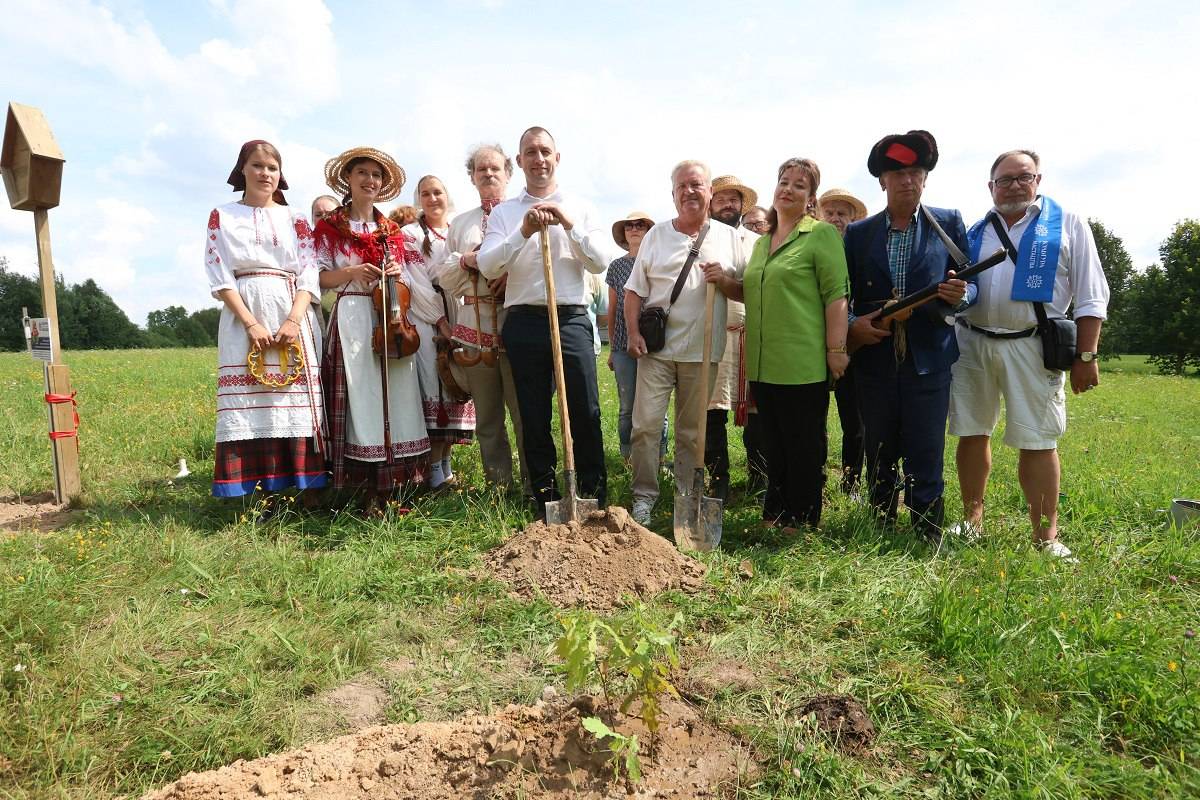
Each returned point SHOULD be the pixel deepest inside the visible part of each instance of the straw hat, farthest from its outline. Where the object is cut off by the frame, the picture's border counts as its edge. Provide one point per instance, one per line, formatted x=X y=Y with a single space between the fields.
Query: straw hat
x=618 y=228
x=749 y=196
x=860 y=209
x=393 y=175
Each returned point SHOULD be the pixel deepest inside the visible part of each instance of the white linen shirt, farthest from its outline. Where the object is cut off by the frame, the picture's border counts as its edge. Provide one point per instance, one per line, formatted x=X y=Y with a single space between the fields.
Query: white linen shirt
x=583 y=247
x=659 y=259
x=1079 y=280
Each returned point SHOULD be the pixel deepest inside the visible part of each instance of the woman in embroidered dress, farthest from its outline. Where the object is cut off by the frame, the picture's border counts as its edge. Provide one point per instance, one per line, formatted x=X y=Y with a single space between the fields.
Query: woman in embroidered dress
x=259 y=260
x=350 y=252
x=448 y=422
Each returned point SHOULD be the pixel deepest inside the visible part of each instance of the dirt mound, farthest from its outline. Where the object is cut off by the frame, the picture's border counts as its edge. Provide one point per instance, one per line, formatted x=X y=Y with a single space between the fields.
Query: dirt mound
x=33 y=513
x=708 y=680
x=524 y=751
x=594 y=564
x=844 y=719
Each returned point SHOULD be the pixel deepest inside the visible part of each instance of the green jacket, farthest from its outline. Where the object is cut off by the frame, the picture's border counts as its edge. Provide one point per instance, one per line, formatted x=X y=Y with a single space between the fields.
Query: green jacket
x=786 y=294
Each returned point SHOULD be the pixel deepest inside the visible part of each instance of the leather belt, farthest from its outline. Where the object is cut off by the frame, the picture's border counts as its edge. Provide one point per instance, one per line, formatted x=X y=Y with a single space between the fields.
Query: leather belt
x=541 y=310
x=995 y=335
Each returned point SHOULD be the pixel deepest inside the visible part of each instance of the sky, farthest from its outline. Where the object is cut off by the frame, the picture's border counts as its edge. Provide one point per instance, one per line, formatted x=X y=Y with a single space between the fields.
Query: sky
x=150 y=102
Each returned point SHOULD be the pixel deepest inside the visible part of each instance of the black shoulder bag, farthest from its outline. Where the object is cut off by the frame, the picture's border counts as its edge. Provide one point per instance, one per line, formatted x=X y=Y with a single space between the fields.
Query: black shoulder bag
x=652 y=322
x=1058 y=334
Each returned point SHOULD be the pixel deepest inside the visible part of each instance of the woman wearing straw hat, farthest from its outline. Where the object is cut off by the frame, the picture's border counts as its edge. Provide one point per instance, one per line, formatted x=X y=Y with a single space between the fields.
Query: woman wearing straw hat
x=627 y=233
x=839 y=208
x=351 y=243
x=447 y=421
x=259 y=260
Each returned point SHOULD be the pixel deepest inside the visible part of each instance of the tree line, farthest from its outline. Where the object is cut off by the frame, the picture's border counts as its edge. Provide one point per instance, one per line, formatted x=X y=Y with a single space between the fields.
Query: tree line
x=1155 y=312
x=89 y=319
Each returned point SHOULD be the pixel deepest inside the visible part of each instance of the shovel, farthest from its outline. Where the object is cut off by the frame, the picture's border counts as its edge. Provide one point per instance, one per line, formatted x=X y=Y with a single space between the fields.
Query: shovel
x=571 y=507
x=698 y=518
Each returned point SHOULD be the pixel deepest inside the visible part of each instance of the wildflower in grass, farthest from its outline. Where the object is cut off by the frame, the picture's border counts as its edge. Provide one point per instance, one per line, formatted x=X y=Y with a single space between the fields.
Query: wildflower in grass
x=1062 y=615
x=960 y=679
x=1174 y=579
x=20 y=579
x=1119 y=615
x=18 y=667
x=1003 y=574
x=1171 y=665
x=1189 y=634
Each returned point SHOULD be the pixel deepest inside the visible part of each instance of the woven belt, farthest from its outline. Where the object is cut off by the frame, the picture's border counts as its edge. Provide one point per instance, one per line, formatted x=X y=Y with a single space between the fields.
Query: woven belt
x=994 y=335
x=470 y=300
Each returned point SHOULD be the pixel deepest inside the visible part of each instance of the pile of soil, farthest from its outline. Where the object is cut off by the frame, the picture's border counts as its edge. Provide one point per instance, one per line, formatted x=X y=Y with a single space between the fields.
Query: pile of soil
x=33 y=513
x=594 y=564
x=843 y=719
x=524 y=751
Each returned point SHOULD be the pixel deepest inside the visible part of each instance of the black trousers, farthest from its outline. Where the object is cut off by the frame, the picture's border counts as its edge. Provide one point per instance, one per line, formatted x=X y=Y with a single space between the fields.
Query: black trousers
x=526 y=337
x=904 y=418
x=794 y=441
x=846 y=393
x=716 y=452
x=756 y=459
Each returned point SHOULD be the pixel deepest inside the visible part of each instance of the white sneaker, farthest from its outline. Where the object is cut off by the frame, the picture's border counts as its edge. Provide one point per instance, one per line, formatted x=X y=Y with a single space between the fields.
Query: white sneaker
x=1054 y=547
x=965 y=530
x=641 y=511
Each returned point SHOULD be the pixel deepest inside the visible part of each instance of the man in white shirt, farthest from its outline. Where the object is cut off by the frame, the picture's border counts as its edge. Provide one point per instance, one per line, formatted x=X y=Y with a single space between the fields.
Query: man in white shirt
x=512 y=244
x=730 y=200
x=676 y=367
x=1001 y=351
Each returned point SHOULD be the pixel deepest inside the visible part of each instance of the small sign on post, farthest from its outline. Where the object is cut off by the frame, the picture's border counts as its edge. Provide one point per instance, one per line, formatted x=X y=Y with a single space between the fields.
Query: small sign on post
x=31 y=164
x=40 y=344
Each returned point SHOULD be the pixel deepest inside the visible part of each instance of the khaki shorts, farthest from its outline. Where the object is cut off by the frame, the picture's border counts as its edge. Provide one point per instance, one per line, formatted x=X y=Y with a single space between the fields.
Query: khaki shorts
x=1034 y=398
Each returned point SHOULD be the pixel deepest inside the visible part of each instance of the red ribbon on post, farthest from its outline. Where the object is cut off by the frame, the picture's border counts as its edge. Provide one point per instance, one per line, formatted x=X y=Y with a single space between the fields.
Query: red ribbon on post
x=55 y=399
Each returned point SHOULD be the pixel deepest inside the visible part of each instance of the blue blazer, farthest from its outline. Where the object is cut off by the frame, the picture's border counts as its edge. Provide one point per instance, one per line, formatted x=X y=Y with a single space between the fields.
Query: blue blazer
x=932 y=345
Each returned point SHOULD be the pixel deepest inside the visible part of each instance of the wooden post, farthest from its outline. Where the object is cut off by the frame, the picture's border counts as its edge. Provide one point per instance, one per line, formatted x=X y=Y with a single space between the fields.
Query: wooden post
x=31 y=165
x=57 y=377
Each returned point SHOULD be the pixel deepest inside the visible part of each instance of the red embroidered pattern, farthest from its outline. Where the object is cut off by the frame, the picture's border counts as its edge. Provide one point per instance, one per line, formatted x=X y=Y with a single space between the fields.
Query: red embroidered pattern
x=249 y=380
x=458 y=413
x=375 y=452
x=304 y=233
x=214 y=222
x=467 y=335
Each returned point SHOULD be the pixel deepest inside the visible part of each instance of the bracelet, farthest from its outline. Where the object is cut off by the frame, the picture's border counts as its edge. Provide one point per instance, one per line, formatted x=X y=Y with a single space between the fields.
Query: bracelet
x=841 y=349
x=295 y=322
x=253 y=324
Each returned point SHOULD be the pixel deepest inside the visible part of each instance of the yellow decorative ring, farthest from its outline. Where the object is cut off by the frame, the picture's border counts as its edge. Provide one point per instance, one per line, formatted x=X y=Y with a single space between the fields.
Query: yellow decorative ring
x=291 y=364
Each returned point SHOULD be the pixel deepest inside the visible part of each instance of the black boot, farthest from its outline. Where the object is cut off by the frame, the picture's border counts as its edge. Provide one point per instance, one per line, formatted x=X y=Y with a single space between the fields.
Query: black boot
x=928 y=521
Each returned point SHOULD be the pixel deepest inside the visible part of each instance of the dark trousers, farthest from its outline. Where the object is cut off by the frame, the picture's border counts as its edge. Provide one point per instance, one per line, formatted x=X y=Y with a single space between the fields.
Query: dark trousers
x=794 y=442
x=904 y=417
x=756 y=459
x=526 y=337
x=846 y=394
x=716 y=452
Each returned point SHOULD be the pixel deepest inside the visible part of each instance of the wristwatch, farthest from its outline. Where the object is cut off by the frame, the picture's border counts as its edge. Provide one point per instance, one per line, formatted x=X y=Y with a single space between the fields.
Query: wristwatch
x=1086 y=356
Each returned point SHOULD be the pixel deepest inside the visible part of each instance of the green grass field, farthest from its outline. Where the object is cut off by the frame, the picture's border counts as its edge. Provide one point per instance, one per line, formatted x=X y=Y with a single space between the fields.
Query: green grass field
x=161 y=633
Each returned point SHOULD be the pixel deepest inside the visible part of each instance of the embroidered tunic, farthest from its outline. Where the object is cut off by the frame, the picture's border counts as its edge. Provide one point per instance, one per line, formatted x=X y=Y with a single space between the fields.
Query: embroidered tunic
x=266 y=255
x=444 y=418
x=359 y=425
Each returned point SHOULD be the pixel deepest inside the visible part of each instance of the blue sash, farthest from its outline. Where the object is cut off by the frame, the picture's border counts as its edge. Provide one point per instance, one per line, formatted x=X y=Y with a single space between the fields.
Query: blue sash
x=1037 y=255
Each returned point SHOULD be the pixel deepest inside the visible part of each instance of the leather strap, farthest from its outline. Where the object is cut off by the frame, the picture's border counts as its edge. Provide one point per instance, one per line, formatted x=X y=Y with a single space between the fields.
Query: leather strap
x=687 y=265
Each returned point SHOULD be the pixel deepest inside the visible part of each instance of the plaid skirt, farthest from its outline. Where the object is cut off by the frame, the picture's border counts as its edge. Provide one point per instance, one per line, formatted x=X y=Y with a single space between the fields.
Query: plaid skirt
x=267 y=464
x=350 y=473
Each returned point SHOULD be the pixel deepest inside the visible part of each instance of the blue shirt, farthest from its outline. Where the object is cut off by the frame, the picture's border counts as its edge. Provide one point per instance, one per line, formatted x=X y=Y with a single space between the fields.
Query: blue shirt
x=899 y=252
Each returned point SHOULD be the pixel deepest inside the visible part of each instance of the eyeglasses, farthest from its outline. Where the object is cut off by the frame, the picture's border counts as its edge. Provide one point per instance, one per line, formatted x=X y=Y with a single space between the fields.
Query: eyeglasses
x=1025 y=179
x=757 y=227
x=636 y=226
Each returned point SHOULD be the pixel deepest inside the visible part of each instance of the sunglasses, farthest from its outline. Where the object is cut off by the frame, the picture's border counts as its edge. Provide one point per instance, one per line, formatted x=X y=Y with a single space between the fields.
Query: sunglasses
x=636 y=226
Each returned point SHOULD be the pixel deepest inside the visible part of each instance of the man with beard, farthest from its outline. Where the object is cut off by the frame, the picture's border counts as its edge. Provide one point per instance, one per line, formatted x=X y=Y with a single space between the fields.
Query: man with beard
x=1053 y=263
x=578 y=244
x=903 y=371
x=839 y=208
x=730 y=200
x=490 y=384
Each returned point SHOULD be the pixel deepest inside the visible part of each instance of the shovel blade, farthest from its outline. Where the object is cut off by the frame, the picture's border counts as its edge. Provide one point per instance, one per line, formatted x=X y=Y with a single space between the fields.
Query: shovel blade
x=698 y=522
x=560 y=512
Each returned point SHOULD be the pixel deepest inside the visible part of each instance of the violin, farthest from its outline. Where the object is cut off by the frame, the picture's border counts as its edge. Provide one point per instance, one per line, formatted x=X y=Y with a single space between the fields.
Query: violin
x=394 y=334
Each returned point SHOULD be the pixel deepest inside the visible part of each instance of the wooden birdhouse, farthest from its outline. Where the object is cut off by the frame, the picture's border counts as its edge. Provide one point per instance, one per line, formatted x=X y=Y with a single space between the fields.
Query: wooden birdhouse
x=30 y=160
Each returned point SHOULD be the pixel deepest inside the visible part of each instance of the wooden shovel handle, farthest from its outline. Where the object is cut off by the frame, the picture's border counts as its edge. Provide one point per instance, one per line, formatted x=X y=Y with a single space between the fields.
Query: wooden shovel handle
x=710 y=299
x=560 y=383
